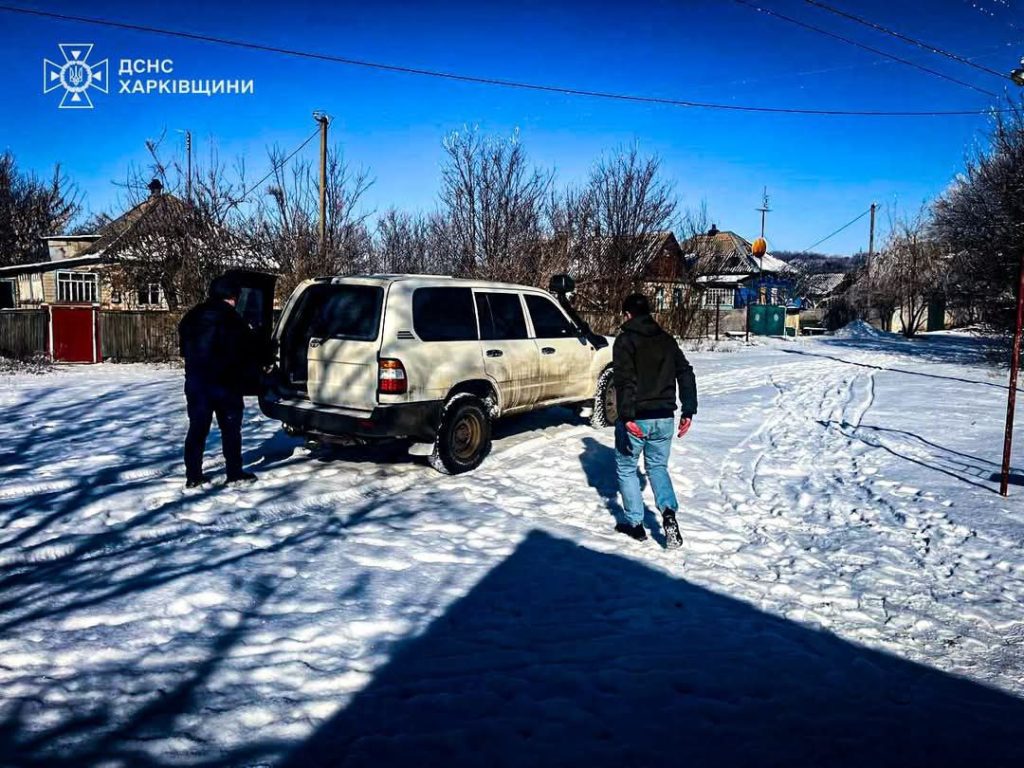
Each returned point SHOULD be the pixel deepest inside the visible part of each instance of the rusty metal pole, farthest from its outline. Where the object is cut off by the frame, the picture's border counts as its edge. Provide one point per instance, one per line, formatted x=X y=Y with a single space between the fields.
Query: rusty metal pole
x=1011 y=397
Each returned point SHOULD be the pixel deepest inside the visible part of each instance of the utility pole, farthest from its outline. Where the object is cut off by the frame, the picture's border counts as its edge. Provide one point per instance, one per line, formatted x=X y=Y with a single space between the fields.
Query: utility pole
x=324 y=121
x=1011 y=398
x=871 y=257
x=764 y=209
x=188 y=166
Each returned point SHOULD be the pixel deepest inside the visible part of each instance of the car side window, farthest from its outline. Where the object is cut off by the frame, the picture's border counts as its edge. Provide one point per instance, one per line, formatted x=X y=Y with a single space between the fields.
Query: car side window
x=444 y=314
x=501 y=316
x=549 y=322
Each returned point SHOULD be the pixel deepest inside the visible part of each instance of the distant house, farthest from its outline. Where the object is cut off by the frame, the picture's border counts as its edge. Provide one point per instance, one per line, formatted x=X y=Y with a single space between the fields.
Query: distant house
x=81 y=270
x=658 y=259
x=819 y=290
x=666 y=277
x=730 y=276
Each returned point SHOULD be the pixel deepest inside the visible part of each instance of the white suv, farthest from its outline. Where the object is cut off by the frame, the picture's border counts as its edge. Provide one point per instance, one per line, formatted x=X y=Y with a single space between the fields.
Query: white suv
x=432 y=359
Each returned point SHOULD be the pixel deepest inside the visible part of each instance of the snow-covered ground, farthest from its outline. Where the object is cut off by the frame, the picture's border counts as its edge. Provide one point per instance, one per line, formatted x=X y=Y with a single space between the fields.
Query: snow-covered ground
x=849 y=590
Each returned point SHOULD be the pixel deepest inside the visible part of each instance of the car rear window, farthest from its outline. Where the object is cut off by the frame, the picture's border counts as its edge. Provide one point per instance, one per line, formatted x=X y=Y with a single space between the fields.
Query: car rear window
x=444 y=314
x=346 y=311
x=501 y=316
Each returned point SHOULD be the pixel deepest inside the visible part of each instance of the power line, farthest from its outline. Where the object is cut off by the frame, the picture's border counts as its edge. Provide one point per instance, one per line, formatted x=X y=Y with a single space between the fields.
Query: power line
x=906 y=38
x=494 y=81
x=876 y=51
x=275 y=167
x=833 y=234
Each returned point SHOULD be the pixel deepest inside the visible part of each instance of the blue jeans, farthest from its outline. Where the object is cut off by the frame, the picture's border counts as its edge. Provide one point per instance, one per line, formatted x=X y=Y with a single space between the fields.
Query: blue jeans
x=655 y=447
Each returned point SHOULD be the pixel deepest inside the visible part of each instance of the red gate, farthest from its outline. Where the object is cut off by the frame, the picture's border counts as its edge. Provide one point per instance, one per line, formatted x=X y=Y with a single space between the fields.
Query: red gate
x=74 y=334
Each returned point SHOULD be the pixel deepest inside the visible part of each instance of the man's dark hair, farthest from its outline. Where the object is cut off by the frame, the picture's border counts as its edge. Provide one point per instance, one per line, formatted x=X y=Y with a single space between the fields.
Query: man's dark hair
x=636 y=304
x=224 y=287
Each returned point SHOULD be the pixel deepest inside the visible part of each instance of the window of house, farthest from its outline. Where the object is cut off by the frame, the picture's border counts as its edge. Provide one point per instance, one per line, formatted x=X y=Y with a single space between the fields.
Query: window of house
x=444 y=314
x=549 y=322
x=77 y=287
x=33 y=288
x=7 y=294
x=659 y=299
x=149 y=294
x=501 y=316
x=677 y=297
x=715 y=297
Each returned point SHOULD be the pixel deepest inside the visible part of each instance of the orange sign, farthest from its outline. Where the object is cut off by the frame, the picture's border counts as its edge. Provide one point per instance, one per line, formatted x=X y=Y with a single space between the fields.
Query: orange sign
x=759 y=247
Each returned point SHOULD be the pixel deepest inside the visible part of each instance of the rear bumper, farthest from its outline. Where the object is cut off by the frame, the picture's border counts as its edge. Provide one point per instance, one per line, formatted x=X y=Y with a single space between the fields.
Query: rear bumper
x=415 y=420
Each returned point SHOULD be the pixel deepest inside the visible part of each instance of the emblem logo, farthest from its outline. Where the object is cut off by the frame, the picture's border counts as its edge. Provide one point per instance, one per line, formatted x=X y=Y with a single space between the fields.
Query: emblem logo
x=76 y=75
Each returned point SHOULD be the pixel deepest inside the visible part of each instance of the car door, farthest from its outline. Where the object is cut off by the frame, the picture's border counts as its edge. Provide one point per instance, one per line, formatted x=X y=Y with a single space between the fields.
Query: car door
x=565 y=355
x=255 y=300
x=511 y=357
x=256 y=306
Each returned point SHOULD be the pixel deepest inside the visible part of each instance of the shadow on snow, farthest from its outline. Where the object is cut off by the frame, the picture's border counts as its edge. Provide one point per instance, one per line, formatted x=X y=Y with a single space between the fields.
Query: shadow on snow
x=563 y=656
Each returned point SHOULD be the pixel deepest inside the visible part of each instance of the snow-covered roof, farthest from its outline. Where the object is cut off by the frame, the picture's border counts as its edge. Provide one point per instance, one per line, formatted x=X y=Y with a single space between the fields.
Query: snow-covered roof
x=49 y=266
x=825 y=283
x=722 y=279
x=731 y=253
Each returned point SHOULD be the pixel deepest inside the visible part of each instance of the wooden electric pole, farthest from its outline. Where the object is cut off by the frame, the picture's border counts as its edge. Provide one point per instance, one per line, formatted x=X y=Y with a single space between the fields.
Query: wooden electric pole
x=871 y=235
x=188 y=166
x=324 y=120
x=871 y=257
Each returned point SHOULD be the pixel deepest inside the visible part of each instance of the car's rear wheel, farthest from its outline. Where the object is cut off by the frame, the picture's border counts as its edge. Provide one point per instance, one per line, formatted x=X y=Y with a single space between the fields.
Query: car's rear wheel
x=605 y=407
x=463 y=436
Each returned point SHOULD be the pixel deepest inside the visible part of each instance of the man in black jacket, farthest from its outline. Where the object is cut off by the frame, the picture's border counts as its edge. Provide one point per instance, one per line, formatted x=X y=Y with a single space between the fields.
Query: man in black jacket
x=220 y=351
x=648 y=369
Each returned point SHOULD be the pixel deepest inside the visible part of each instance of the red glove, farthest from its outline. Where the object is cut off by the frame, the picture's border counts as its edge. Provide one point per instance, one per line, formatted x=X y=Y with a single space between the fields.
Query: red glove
x=634 y=429
x=684 y=426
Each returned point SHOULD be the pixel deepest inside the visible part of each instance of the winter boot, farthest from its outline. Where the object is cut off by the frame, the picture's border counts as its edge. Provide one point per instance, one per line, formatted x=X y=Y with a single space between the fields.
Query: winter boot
x=197 y=482
x=241 y=477
x=633 y=531
x=673 y=539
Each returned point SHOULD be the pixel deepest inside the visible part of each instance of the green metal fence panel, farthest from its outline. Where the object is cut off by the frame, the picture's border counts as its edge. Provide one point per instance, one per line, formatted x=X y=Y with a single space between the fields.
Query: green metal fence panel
x=766 y=320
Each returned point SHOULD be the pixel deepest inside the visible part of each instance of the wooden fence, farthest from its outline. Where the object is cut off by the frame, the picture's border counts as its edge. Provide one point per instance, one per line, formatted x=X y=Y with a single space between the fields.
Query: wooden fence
x=24 y=332
x=138 y=336
x=698 y=325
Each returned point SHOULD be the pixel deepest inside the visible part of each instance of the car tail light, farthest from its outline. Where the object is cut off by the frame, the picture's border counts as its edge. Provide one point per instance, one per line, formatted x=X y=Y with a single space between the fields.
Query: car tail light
x=391 y=378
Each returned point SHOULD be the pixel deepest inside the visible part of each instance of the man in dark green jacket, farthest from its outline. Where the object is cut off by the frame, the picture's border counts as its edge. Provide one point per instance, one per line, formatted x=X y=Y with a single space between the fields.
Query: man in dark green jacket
x=649 y=368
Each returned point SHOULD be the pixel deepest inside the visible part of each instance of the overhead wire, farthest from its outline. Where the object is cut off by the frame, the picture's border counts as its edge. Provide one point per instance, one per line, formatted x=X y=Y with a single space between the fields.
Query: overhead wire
x=863 y=46
x=906 y=38
x=627 y=97
x=275 y=167
x=833 y=234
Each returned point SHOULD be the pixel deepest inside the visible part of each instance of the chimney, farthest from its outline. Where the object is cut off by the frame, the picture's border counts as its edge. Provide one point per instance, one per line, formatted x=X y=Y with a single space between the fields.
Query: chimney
x=155 y=188
x=713 y=231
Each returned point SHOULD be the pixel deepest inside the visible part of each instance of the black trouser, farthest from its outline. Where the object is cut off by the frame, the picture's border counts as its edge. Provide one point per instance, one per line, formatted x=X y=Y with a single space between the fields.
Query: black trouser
x=203 y=403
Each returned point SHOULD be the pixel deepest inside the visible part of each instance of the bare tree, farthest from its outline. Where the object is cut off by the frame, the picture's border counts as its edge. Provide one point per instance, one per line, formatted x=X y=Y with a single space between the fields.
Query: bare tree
x=980 y=218
x=407 y=243
x=30 y=209
x=179 y=244
x=611 y=227
x=285 y=224
x=491 y=204
x=907 y=273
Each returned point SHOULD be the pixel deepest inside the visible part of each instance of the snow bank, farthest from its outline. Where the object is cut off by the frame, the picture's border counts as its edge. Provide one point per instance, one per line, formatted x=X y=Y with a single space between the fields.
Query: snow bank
x=858 y=329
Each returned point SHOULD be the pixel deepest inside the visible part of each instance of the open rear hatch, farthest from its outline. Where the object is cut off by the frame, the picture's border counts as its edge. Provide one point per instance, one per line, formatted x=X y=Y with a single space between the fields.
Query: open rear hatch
x=329 y=345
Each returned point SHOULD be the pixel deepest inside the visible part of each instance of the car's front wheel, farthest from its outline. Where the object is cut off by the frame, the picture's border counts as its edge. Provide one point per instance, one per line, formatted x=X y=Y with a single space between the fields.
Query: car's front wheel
x=605 y=408
x=463 y=435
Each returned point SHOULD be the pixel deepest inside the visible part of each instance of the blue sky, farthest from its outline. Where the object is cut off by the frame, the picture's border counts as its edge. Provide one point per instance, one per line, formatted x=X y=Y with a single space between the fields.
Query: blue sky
x=820 y=171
